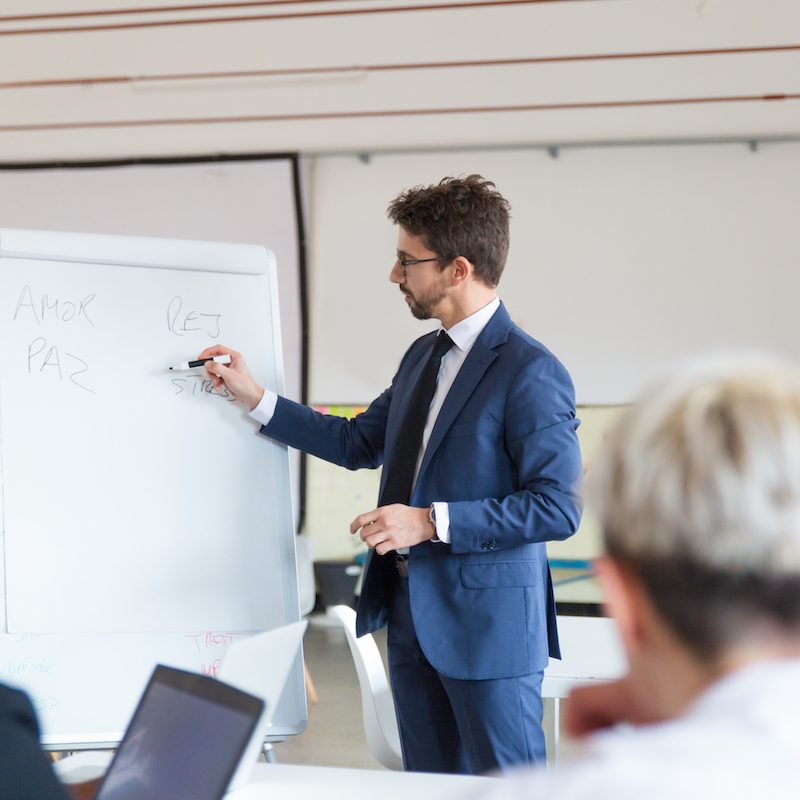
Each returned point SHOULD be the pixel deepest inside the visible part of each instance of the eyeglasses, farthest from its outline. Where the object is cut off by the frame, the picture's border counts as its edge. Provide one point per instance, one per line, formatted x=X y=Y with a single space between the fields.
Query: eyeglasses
x=408 y=262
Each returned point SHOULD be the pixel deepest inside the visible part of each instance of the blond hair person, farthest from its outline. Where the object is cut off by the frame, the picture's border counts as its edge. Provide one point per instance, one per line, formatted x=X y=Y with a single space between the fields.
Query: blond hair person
x=698 y=495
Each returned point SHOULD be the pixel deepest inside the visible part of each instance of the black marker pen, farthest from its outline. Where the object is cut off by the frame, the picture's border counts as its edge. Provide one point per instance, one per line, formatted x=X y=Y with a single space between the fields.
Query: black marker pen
x=226 y=359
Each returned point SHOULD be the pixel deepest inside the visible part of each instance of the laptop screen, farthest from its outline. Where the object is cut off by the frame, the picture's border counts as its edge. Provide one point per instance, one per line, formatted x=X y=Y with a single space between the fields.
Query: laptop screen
x=184 y=741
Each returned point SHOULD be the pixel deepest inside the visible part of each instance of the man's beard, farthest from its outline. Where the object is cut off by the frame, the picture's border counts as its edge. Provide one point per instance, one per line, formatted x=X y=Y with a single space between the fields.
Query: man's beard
x=422 y=306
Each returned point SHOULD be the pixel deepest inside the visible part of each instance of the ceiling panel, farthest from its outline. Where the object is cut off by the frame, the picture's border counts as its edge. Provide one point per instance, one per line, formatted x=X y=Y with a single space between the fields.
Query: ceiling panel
x=586 y=70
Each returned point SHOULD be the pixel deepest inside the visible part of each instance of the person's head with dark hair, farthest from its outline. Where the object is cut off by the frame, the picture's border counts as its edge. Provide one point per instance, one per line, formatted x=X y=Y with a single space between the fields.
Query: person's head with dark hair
x=459 y=217
x=452 y=247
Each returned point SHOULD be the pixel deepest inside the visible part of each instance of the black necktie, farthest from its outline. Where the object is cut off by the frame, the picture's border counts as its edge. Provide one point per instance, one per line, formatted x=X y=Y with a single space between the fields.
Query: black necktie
x=400 y=468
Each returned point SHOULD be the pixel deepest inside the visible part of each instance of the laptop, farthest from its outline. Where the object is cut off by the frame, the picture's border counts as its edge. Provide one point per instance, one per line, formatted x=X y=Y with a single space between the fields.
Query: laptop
x=261 y=665
x=185 y=739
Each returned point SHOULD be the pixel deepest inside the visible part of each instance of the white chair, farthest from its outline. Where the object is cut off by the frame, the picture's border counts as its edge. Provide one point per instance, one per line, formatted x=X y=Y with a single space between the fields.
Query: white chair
x=377 y=705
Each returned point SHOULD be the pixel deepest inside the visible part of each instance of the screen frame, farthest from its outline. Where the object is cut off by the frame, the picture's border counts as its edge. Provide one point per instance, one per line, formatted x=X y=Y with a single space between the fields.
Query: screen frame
x=205 y=688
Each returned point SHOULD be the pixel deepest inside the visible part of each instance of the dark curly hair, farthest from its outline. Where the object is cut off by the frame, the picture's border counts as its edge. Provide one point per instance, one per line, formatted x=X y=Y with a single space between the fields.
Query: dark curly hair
x=458 y=217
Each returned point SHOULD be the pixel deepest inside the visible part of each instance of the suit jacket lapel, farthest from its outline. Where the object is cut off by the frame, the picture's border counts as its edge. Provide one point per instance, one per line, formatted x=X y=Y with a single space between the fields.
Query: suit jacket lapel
x=472 y=371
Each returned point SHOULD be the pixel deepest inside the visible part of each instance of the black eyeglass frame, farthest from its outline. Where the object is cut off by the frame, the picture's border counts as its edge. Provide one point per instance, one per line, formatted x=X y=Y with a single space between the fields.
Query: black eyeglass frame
x=409 y=262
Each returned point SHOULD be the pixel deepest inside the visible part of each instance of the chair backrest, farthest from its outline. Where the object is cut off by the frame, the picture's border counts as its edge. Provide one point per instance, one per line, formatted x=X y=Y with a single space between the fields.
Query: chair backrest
x=377 y=705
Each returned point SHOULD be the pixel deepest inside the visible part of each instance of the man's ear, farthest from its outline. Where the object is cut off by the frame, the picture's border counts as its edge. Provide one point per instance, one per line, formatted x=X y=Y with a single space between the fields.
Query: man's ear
x=626 y=601
x=462 y=269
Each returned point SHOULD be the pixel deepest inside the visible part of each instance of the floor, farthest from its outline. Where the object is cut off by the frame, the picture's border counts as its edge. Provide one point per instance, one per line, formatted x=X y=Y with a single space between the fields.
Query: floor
x=335 y=732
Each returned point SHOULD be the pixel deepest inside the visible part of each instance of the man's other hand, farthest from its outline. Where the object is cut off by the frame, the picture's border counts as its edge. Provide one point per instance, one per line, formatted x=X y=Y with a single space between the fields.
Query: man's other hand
x=389 y=527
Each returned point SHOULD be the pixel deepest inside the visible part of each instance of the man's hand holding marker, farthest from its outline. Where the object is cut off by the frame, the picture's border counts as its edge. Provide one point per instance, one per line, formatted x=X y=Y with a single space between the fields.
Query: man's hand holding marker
x=235 y=376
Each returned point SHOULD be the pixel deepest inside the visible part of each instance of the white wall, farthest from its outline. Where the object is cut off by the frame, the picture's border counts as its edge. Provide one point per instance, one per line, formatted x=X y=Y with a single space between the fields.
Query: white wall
x=622 y=259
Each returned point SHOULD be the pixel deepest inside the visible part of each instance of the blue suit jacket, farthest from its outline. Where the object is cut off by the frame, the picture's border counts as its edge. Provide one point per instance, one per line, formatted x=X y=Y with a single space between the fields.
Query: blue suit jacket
x=504 y=455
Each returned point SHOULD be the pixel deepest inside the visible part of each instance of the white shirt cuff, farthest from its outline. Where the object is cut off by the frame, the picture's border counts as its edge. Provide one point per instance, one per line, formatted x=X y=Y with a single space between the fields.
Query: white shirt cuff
x=442 y=514
x=263 y=412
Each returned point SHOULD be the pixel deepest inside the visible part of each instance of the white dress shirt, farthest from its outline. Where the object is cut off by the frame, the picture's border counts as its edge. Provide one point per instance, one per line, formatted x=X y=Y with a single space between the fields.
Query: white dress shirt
x=740 y=740
x=464 y=335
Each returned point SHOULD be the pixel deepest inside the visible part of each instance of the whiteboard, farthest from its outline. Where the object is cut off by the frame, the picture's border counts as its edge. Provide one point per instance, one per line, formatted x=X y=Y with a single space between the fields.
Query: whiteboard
x=240 y=200
x=144 y=519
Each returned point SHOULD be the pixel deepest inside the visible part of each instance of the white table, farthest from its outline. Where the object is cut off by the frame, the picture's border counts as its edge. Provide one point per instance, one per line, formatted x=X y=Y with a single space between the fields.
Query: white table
x=290 y=782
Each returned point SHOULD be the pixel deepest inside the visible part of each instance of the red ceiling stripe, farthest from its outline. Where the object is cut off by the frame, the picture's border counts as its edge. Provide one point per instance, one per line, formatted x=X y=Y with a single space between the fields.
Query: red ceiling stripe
x=188 y=76
x=341 y=12
x=407 y=112
x=116 y=12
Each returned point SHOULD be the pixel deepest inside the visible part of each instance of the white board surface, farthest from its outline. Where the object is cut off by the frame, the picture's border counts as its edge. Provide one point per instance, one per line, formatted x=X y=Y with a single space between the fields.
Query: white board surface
x=250 y=200
x=144 y=517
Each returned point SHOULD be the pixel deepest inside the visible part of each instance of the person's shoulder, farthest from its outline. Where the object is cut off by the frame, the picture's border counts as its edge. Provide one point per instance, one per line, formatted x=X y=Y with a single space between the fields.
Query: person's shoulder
x=16 y=711
x=524 y=343
x=518 y=342
x=683 y=758
x=24 y=770
x=610 y=766
x=11 y=698
x=534 y=358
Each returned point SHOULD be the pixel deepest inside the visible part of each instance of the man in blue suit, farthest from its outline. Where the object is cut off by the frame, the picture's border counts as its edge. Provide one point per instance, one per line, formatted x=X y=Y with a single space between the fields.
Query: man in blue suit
x=477 y=438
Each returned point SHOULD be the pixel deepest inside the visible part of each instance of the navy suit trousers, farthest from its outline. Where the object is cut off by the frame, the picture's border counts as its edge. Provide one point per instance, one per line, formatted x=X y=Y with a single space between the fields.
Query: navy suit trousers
x=467 y=727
